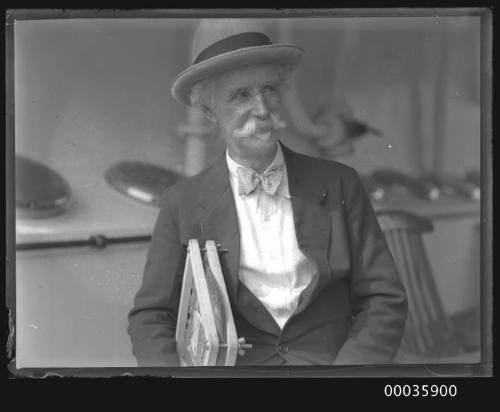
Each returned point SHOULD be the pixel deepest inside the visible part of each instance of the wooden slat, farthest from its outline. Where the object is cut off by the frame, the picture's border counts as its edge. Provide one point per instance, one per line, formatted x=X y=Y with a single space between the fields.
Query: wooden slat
x=420 y=284
x=408 y=343
x=426 y=282
x=411 y=291
x=206 y=309
x=180 y=331
x=232 y=337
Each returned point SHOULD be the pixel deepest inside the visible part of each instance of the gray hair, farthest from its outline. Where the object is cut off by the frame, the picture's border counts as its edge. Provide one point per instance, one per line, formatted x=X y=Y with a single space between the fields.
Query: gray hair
x=202 y=91
x=201 y=94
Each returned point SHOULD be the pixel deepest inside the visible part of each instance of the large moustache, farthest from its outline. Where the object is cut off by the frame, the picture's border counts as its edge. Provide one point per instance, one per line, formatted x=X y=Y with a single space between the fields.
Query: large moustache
x=252 y=125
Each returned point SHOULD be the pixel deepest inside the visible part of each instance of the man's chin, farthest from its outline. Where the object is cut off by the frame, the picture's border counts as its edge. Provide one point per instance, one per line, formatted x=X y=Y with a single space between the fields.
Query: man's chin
x=262 y=139
x=259 y=143
x=264 y=136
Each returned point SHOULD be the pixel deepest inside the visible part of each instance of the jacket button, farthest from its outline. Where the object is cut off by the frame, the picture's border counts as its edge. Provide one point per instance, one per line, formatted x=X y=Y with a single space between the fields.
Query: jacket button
x=283 y=348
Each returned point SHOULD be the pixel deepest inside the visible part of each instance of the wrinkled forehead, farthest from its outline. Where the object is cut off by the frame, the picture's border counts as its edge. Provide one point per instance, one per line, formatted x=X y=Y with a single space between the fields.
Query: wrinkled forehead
x=249 y=76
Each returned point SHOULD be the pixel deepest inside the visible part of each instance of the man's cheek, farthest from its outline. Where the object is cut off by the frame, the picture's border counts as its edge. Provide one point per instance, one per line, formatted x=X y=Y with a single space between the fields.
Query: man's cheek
x=240 y=118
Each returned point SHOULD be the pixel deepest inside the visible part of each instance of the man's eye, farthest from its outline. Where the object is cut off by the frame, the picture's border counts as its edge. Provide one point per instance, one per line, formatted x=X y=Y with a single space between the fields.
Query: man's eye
x=269 y=88
x=242 y=94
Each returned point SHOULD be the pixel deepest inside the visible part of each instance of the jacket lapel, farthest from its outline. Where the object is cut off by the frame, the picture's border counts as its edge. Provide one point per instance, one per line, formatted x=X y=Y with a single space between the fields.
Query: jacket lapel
x=312 y=221
x=220 y=222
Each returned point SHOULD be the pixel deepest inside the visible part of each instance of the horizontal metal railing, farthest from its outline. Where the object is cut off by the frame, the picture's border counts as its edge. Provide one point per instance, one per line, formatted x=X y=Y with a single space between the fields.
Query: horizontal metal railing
x=97 y=241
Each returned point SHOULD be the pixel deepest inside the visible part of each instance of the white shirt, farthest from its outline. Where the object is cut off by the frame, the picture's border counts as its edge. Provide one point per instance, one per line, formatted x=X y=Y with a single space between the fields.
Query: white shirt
x=271 y=266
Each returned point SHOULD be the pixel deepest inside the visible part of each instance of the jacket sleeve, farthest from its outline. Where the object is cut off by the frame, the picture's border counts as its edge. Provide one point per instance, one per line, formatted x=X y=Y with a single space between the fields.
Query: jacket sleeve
x=377 y=295
x=153 y=318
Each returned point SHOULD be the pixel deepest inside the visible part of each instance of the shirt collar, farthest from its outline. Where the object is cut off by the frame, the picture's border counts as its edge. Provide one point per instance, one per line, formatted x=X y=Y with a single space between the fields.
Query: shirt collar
x=279 y=159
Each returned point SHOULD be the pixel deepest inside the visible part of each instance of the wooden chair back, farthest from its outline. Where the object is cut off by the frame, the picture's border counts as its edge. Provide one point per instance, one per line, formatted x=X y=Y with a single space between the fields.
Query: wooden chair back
x=429 y=333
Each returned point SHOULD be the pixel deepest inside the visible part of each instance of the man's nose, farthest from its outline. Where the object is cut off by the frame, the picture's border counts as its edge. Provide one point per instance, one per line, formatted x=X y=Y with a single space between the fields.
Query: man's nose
x=261 y=107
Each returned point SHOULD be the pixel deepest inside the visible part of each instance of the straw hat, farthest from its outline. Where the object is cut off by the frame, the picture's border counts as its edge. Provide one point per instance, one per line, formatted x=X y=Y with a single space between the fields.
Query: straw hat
x=223 y=44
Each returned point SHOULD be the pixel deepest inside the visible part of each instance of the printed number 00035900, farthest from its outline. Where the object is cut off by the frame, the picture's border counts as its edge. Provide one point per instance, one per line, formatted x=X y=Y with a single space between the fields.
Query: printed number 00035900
x=420 y=391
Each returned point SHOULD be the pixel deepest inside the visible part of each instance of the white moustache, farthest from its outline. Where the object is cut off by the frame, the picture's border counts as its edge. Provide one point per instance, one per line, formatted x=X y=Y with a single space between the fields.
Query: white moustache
x=251 y=126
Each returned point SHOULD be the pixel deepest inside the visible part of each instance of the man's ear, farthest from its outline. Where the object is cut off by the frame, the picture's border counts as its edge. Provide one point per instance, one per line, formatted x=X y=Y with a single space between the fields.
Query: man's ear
x=208 y=113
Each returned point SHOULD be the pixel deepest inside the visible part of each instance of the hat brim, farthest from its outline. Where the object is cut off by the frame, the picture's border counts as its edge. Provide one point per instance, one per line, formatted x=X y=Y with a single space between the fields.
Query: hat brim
x=287 y=54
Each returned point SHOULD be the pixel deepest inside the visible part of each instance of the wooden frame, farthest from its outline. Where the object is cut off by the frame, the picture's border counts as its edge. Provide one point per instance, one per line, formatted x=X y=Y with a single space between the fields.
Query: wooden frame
x=205 y=333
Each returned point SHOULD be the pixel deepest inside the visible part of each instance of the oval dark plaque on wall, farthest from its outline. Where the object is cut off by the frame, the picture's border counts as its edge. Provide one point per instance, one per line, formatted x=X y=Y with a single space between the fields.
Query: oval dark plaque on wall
x=40 y=191
x=140 y=181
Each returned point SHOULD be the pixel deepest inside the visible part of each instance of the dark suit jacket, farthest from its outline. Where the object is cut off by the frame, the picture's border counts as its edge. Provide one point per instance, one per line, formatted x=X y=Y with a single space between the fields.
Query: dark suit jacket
x=352 y=312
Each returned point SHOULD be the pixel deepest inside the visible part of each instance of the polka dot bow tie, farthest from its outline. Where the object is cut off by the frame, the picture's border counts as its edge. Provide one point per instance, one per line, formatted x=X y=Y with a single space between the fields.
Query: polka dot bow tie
x=249 y=180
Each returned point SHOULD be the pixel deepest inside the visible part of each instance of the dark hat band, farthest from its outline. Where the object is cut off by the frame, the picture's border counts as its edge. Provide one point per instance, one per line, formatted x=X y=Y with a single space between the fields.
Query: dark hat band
x=231 y=43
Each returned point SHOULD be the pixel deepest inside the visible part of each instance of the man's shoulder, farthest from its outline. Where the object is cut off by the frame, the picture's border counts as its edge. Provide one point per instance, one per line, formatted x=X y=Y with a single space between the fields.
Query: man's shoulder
x=322 y=167
x=186 y=188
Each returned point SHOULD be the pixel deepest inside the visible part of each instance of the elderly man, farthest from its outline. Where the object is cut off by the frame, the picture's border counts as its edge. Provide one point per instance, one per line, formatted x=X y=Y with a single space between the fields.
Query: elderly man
x=308 y=272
